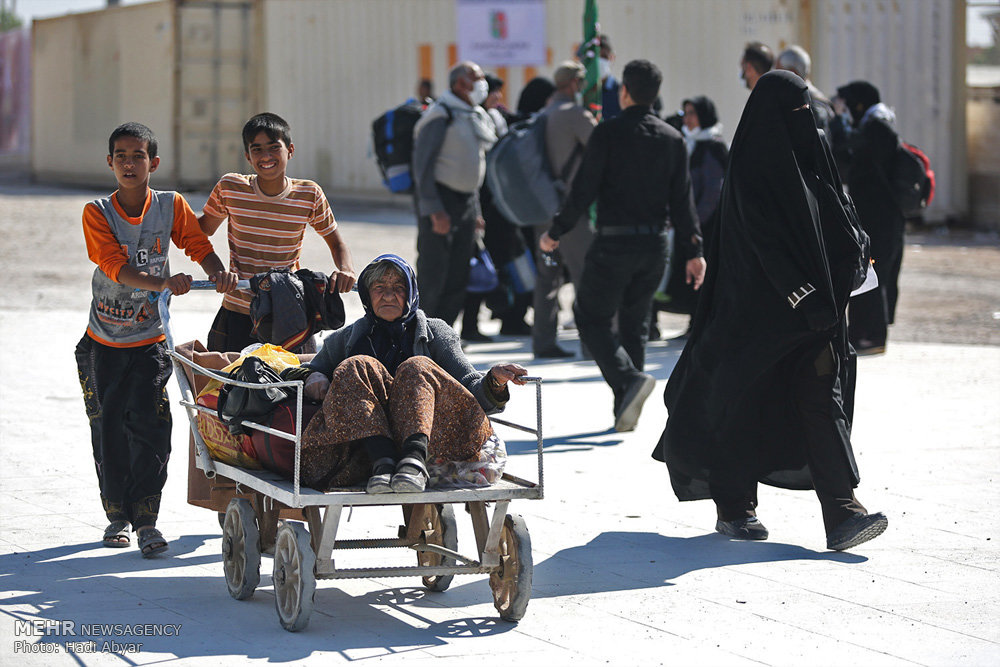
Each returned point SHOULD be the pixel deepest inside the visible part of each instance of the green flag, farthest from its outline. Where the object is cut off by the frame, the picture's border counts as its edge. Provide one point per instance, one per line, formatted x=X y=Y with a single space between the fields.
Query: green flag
x=589 y=54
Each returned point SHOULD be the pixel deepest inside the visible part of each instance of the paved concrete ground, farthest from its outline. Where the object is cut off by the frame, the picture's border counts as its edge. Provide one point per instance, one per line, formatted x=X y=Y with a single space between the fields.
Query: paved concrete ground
x=624 y=574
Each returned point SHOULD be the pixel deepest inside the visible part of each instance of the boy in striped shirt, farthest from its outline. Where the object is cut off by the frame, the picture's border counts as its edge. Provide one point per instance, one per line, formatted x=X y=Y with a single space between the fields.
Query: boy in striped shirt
x=268 y=213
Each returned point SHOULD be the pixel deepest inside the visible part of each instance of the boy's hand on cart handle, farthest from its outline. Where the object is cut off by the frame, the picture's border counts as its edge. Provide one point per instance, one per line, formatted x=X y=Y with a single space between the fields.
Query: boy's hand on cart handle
x=504 y=373
x=341 y=281
x=225 y=281
x=179 y=283
x=316 y=387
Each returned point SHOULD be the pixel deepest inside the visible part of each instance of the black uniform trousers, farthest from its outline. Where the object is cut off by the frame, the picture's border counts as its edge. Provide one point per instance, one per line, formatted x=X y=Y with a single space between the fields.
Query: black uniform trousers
x=817 y=396
x=620 y=275
x=125 y=394
x=443 y=259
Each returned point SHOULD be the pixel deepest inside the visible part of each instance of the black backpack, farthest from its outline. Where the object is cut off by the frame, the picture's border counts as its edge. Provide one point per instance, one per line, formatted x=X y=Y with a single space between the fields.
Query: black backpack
x=912 y=179
x=392 y=139
x=239 y=403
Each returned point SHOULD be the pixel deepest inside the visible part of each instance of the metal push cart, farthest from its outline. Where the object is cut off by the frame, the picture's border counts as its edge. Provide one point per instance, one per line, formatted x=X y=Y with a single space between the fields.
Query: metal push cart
x=302 y=555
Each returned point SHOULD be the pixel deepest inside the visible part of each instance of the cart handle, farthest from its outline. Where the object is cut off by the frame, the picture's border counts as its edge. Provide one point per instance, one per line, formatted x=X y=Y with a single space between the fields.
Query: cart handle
x=163 y=304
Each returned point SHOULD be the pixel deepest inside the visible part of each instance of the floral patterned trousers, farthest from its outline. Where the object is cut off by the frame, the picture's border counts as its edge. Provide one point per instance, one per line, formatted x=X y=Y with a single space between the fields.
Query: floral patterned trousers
x=364 y=400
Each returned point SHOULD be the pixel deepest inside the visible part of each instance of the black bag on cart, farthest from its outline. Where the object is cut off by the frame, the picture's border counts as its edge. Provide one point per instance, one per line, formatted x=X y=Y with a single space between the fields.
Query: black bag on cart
x=237 y=404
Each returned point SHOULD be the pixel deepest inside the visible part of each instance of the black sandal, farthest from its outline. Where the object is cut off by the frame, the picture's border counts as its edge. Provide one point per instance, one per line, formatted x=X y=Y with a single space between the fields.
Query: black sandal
x=151 y=541
x=116 y=535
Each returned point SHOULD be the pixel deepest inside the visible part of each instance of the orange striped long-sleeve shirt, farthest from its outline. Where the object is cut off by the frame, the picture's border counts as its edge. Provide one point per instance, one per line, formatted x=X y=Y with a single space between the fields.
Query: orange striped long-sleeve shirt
x=266 y=232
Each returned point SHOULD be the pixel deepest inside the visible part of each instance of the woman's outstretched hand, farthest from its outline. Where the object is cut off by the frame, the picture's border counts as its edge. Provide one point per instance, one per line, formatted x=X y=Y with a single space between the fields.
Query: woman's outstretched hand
x=504 y=373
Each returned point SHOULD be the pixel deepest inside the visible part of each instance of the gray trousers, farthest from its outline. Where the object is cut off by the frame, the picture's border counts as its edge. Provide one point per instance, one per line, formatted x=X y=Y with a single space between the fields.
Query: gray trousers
x=443 y=260
x=572 y=249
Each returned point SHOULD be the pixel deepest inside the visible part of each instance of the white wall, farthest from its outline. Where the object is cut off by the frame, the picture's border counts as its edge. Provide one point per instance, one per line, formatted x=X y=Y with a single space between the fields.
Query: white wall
x=90 y=73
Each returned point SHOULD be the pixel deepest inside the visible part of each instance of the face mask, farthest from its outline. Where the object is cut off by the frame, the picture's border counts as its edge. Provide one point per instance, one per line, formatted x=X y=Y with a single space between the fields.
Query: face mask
x=578 y=98
x=479 y=91
x=604 y=66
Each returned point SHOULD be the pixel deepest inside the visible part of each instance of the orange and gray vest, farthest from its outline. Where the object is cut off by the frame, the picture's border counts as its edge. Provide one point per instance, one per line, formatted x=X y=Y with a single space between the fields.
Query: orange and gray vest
x=126 y=315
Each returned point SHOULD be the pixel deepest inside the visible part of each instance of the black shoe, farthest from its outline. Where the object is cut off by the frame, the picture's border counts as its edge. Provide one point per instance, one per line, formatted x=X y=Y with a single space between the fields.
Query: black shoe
x=749 y=528
x=519 y=328
x=554 y=352
x=858 y=529
x=476 y=337
x=627 y=416
x=867 y=348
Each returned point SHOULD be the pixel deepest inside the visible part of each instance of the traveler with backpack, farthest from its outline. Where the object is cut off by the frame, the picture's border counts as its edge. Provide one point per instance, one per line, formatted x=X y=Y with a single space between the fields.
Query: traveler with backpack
x=872 y=142
x=449 y=165
x=504 y=243
x=636 y=167
x=567 y=129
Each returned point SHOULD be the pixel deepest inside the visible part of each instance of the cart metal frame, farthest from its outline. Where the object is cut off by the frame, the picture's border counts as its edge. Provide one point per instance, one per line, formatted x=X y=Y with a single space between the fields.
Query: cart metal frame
x=301 y=556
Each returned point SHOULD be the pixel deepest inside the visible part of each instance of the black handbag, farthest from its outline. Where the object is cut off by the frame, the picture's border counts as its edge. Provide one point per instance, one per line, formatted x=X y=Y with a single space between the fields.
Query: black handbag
x=237 y=404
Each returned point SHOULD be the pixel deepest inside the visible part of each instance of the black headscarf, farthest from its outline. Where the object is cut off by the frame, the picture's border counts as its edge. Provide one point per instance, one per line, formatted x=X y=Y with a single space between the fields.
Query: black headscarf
x=389 y=342
x=785 y=222
x=704 y=108
x=534 y=96
x=858 y=96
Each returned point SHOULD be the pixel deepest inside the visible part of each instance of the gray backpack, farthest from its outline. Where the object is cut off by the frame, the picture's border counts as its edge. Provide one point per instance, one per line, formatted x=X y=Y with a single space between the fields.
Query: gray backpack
x=520 y=178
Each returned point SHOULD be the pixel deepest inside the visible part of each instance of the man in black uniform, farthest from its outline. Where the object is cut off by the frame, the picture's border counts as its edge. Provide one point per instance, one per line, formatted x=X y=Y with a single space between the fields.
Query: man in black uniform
x=635 y=165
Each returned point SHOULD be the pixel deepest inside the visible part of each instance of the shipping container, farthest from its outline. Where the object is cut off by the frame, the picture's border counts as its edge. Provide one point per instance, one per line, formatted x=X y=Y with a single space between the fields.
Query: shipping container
x=181 y=67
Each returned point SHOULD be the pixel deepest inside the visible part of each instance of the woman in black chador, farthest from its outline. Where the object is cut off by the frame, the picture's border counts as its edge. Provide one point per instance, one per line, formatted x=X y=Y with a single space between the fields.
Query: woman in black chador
x=764 y=389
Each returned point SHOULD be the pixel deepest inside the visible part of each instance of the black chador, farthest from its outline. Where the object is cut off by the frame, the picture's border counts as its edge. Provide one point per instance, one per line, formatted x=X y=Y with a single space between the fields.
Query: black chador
x=764 y=389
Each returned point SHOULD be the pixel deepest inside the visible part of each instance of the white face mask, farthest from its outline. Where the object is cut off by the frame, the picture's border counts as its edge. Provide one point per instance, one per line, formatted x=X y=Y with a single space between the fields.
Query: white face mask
x=604 y=66
x=480 y=89
x=578 y=98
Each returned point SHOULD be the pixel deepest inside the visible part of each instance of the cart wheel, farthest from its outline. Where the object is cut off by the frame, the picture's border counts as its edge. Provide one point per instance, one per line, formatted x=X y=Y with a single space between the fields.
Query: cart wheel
x=241 y=549
x=441 y=529
x=511 y=582
x=294 y=576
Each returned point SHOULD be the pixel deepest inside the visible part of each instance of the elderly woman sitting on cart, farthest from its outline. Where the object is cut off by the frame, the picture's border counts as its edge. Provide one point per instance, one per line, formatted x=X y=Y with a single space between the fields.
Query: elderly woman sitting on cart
x=396 y=387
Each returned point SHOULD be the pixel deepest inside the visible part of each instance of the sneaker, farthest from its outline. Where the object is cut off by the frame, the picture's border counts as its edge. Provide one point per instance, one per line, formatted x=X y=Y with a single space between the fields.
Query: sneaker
x=627 y=415
x=410 y=476
x=857 y=530
x=381 y=477
x=748 y=528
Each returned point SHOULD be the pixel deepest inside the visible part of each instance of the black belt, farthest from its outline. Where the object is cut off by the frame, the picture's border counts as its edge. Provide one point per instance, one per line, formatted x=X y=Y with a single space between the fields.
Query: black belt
x=631 y=230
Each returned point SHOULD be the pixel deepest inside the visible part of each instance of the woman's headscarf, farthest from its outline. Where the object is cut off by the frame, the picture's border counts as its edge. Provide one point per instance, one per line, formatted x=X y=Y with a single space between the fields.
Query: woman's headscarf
x=534 y=96
x=708 y=122
x=704 y=108
x=389 y=342
x=859 y=96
